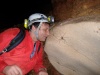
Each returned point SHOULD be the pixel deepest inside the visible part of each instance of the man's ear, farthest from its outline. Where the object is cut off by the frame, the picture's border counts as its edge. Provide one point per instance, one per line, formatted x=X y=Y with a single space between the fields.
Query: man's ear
x=33 y=28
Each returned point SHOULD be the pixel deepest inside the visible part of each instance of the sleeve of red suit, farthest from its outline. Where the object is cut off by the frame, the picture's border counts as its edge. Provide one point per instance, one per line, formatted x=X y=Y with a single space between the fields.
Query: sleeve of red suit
x=2 y=43
x=5 y=38
x=2 y=64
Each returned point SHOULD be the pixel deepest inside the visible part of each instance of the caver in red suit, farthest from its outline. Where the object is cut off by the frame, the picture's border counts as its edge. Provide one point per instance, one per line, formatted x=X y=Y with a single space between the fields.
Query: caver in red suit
x=20 y=55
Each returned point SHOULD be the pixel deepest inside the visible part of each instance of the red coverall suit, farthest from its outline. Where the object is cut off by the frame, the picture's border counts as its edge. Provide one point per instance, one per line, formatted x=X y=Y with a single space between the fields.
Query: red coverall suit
x=20 y=55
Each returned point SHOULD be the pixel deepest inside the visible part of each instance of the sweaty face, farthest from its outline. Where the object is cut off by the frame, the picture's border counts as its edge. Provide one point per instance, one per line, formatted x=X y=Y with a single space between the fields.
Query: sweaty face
x=44 y=31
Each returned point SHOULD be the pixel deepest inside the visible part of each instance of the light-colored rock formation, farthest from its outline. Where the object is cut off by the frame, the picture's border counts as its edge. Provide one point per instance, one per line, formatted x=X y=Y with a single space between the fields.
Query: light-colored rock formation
x=73 y=47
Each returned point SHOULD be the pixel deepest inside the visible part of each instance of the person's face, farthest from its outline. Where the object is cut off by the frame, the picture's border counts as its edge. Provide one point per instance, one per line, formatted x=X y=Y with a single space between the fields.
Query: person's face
x=43 y=31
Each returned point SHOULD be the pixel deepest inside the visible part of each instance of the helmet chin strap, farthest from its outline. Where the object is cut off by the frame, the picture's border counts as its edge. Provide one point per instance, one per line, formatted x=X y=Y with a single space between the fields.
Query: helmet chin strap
x=37 y=31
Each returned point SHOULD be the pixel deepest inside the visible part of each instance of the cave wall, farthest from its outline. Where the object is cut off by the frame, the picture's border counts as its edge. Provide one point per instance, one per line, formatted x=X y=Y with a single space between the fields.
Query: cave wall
x=64 y=9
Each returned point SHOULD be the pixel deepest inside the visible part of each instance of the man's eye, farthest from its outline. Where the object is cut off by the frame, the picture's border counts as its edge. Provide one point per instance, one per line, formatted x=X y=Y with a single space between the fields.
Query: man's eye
x=45 y=30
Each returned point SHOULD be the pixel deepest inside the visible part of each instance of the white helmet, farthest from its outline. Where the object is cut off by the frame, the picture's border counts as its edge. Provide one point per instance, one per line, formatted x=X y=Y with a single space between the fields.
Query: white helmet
x=37 y=17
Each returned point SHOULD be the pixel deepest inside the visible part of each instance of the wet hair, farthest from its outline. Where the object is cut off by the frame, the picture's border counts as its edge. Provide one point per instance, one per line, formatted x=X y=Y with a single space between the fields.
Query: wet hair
x=36 y=24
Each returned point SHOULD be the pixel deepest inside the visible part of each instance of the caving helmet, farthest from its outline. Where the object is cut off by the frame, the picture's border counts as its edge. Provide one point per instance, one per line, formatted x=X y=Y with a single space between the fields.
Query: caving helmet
x=37 y=17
